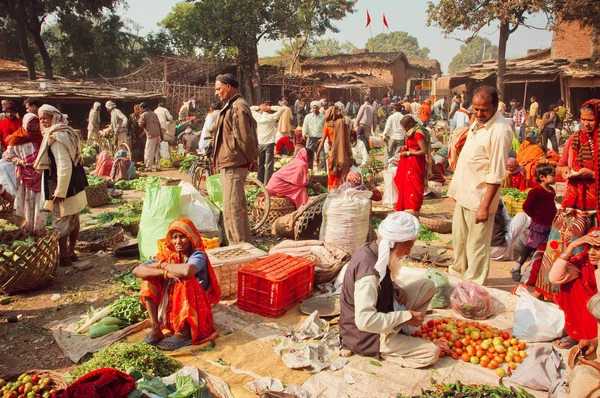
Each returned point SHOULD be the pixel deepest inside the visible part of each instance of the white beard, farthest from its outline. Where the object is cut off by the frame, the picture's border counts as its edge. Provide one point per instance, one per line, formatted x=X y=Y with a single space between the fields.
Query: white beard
x=395 y=265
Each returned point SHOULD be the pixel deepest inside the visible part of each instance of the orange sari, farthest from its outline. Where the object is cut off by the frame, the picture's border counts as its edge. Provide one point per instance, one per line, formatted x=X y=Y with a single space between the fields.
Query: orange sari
x=187 y=300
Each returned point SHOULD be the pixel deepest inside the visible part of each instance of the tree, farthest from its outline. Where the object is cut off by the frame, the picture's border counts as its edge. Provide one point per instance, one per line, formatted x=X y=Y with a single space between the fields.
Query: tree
x=322 y=47
x=476 y=51
x=587 y=13
x=396 y=42
x=217 y=26
x=473 y=15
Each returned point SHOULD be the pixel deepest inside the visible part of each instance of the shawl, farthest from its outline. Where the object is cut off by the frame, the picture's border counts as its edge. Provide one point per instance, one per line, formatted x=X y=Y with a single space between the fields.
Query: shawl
x=517 y=169
x=529 y=153
x=24 y=136
x=168 y=253
x=104 y=165
x=296 y=171
x=457 y=142
x=64 y=134
x=341 y=151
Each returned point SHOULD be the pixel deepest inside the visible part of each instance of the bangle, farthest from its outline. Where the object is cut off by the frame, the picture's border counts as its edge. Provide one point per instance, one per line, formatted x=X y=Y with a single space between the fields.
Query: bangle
x=566 y=256
x=165 y=274
x=159 y=265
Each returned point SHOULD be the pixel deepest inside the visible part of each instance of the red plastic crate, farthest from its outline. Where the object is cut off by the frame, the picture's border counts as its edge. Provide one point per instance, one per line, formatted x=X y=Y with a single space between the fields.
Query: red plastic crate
x=273 y=285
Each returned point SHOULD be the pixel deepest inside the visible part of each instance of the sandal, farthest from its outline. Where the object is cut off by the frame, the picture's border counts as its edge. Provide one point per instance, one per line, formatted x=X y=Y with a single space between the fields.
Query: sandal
x=516 y=274
x=173 y=344
x=569 y=340
x=153 y=338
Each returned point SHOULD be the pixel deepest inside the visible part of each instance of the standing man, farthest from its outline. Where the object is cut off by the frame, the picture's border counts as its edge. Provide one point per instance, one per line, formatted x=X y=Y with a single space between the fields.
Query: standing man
x=533 y=112
x=209 y=123
x=151 y=125
x=32 y=105
x=455 y=106
x=548 y=128
x=118 y=124
x=462 y=118
x=164 y=116
x=266 y=116
x=415 y=107
x=394 y=134
x=9 y=124
x=351 y=108
x=284 y=124
x=59 y=159
x=365 y=120
x=480 y=170
x=312 y=131
x=94 y=124
x=235 y=152
x=513 y=107
x=340 y=103
x=519 y=119
x=407 y=106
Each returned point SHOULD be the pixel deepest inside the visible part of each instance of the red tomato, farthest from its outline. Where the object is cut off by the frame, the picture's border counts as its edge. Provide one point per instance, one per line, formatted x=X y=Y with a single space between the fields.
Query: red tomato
x=505 y=336
x=454 y=355
x=466 y=357
x=430 y=323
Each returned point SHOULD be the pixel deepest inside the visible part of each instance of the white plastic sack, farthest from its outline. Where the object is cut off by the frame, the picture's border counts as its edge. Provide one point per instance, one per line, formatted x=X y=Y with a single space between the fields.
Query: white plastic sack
x=536 y=320
x=8 y=177
x=377 y=141
x=390 y=192
x=346 y=219
x=164 y=150
x=200 y=210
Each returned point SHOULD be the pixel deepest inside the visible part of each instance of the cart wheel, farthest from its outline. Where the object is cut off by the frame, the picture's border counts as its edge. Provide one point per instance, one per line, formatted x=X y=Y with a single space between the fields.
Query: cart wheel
x=255 y=189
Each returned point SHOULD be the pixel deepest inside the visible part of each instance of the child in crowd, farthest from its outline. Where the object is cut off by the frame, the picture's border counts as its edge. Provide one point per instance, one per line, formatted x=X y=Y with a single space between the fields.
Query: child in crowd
x=540 y=206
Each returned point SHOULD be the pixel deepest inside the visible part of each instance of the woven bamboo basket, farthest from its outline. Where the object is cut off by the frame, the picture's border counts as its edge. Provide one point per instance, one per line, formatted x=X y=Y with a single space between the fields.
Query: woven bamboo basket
x=58 y=382
x=279 y=206
x=441 y=224
x=308 y=223
x=28 y=268
x=11 y=236
x=97 y=239
x=97 y=195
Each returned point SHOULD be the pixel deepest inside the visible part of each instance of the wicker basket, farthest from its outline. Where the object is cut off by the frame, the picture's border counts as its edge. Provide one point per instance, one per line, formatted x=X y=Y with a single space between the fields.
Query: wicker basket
x=96 y=239
x=19 y=234
x=441 y=224
x=58 y=381
x=169 y=182
x=97 y=195
x=33 y=268
x=279 y=206
x=308 y=223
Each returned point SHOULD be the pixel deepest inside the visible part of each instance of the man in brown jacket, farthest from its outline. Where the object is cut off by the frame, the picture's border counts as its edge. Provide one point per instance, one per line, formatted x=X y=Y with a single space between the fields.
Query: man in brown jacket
x=151 y=124
x=235 y=152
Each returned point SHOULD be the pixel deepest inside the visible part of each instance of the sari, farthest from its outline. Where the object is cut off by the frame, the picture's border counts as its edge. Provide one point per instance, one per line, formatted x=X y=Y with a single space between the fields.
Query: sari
x=184 y=301
x=291 y=180
x=413 y=171
x=528 y=156
x=579 y=206
x=104 y=165
x=339 y=159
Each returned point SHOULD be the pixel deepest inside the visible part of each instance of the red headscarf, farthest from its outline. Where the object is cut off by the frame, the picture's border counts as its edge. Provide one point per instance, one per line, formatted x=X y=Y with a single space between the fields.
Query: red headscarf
x=23 y=135
x=168 y=253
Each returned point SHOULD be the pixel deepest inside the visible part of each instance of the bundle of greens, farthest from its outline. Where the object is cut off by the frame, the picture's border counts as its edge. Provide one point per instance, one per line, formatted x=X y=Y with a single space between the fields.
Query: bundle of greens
x=88 y=155
x=514 y=193
x=129 y=281
x=251 y=196
x=165 y=163
x=458 y=389
x=184 y=387
x=176 y=159
x=139 y=184
x=187 y=162
x=128 y=214
x=129 y=309
x=93 y=180
x=123 y=356
x=426 y=235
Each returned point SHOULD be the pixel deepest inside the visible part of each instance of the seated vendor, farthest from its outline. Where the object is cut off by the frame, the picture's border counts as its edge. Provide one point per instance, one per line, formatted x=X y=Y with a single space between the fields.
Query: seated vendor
x=103 y=165
x=355 y=180
x=515 y=177
x=370 y=323
x=123 y=169
x=285 y=146
x=291 y=180
x=575 y=277
x=179 y=287
x=190 y=141
x=508 y=236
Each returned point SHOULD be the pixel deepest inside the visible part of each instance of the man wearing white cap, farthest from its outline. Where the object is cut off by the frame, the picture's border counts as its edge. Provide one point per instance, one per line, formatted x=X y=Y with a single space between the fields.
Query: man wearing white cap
x=119 y=124
x=370 y=321
x=312 y=131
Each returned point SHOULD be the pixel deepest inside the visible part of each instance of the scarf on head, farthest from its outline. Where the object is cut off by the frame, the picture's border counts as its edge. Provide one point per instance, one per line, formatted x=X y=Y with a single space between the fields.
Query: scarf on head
x=517 y=169
x=397 y=227
x=23 y=135
x=60 y=132
x=341 y=151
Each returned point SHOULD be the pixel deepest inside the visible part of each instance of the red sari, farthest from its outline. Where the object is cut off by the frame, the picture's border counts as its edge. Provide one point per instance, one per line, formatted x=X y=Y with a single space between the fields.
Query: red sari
x=411 y=176
x=188 y=302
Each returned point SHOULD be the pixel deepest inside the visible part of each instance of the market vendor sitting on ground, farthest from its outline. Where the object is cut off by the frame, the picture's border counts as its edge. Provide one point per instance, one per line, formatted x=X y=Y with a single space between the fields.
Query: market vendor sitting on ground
x=179 y=288
x=370 y=324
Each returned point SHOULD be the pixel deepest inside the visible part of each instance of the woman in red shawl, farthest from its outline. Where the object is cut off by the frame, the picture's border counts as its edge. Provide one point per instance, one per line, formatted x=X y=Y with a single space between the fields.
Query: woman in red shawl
x=413 y=167
x=23 y=148
x=179 y=287
x=104 y=165
x=339 y=159
x=516 y=177
x=574 y=275
x=578 y=166
x=291 y=180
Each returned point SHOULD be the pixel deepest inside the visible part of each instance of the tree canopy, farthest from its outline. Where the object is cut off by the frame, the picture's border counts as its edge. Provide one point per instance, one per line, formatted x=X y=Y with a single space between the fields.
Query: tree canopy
x=472 y=53
x=395 y=42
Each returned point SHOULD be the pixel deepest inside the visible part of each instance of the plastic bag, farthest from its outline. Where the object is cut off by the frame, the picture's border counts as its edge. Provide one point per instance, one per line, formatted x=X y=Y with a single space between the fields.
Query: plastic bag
x=471 y=301
x=161 y=206
x=8 y=177
x=443 y=290
x=200 y=210
x=215 y=190
x=164 y=150
x=390 y=191
x=536 y=320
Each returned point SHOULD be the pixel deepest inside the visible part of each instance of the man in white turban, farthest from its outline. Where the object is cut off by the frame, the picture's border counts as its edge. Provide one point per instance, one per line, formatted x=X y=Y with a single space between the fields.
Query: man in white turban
x=119 y=124
x=375 y=310
x=312 y=131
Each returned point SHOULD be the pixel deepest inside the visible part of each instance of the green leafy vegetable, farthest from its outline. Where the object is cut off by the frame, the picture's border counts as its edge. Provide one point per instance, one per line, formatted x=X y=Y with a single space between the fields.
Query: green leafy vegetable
x=251 y=197
x=129 y=281
x=152 y=384
x=458 y=389
x=186 y=163
x=426 y=235
x=513 y=192
x=187 y=389
x=93 y=180
x=129 y=309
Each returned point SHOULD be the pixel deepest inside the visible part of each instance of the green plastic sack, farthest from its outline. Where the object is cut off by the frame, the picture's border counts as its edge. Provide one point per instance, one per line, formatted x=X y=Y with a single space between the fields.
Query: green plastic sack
x=215 y=190
x=161 y=206
x=443 y=290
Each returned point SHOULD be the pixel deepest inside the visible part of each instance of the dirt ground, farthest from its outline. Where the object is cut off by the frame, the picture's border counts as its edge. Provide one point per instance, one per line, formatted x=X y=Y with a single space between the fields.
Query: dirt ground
x=27 y=345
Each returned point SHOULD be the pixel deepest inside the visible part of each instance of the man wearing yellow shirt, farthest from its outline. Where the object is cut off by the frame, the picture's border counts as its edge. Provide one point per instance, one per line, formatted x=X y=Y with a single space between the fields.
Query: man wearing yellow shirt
x=533 y=111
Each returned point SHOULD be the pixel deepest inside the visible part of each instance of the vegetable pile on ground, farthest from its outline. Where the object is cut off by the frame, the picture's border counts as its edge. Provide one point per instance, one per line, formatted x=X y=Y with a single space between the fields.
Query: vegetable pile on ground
x=128 y=214
x=251 y=196
x=165 y=163
x=129 y=281
x=184 y=387
x=187 y=162
x=374 y=165
x=139 y=184
x=27 y=386
x=93 y=180
x=472 y=391
x=123 y=356
x=5 y=226
x=176 y=159
x=426 y=235
x=475 y=342
x=88 y=155
x=513 y=192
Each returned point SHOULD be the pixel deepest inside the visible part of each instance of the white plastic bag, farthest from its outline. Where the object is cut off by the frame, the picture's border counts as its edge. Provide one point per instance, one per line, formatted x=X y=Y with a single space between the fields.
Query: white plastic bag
x=199 y=209
x=164 y=150
x=390 y=192
x=8 y=177
x=536 y=320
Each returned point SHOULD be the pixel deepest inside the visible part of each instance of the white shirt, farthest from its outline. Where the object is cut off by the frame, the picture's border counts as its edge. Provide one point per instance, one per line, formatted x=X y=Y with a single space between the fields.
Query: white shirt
x=164 y=116
x=461 y=119
x=415 y=107
x=359 y=153
x=266 y=128
x=208 y=122
x=482 y=161
x=393 y=128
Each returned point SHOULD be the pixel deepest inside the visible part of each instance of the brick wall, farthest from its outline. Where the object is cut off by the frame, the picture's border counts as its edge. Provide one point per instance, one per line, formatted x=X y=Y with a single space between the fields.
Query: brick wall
x=570 y=41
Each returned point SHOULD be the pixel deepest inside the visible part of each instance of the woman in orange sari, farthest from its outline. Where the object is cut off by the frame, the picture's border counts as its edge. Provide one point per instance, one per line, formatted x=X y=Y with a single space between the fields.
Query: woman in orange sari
x=339 y=159
x=179 y=287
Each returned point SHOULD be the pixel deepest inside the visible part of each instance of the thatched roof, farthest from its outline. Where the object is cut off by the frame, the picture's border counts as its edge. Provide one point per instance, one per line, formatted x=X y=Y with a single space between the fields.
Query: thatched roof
x=431 y=65
x=371 y=59
x=348 y=80
x=11 y=66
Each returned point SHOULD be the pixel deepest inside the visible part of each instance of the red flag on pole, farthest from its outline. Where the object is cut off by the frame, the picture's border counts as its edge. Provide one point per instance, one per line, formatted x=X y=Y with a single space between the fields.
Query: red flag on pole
x=385 y=21
x=368 y=18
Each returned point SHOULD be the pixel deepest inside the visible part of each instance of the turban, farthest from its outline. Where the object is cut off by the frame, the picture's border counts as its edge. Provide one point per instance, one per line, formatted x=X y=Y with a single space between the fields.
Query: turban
x=110 y=105
x=97 y=105
x=57 y=118
x=228 y=78
x=315 y=103
x=397 y=227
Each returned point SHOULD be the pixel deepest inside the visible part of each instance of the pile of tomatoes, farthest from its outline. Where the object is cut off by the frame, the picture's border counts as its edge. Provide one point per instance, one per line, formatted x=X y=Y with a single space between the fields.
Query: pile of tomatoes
x=27 y=386
x=474 y=342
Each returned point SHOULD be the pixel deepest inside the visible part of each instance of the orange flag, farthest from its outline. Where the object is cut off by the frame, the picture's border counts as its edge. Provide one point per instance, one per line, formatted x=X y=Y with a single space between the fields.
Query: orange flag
x=368 y=18
x=385 y=21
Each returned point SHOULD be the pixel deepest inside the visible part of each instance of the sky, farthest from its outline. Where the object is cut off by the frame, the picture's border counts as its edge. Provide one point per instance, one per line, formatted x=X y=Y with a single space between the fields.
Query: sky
x=403 y=15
